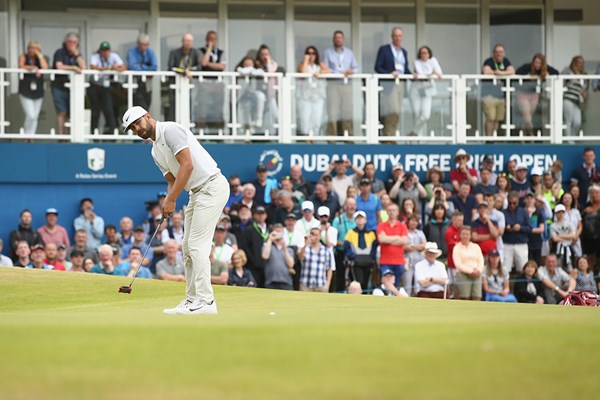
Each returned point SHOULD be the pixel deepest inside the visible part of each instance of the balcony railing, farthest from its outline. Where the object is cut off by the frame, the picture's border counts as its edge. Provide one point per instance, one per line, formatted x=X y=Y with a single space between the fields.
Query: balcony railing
x=300 y=108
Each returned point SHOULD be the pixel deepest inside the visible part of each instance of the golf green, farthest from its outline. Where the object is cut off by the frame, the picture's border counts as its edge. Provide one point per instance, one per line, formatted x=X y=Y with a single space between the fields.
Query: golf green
x=72 y=336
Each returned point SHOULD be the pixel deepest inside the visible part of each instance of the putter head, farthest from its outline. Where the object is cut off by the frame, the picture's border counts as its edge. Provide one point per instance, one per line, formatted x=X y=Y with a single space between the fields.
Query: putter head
x=125 y=289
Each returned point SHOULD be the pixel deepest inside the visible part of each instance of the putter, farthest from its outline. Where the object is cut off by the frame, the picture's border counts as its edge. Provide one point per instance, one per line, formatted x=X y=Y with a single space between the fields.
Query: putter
x=128 y=289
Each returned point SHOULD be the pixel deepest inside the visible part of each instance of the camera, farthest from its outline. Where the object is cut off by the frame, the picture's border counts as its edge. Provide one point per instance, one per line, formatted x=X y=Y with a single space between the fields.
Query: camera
x=278 y=235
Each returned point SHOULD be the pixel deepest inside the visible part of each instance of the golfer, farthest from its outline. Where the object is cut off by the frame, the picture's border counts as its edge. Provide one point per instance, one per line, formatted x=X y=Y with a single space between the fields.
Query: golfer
x=185 y=164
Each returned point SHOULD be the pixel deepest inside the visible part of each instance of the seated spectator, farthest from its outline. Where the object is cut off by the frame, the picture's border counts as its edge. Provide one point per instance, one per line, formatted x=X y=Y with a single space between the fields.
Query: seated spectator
x=220 y=257
x=279 y=261
x=263 y=185
x=31 y=85
x=557 y=283
x=462 y=172
x=52 y=232
x=88 y=262
x=369 y=204
x=387 y=287
x=126 y=235
x=248 y=194
x=377 y=186
x=80 y=244
x=299 y=183
x=77 y=262
x=562 y=237
x=24 y=232
x=430 y=274
x=315 y=275
x=584 y=276
x=308 y=221
x=573 y=216
x=112 y=236
x=484 y=230
x=23 y=252
x=322 y=198
x=105 y=264
x=354 y=288
x=435 y=230
x=504 y=188
x=516 y=235
x=433 y=178
x=495 y=280
x=465 y=202
x=91 y=223
x=409 y=187
x=528 y=288
x=590 y=234
x=311 y=93
x=360 y=248
x=142 y=58
x=238 y=275
x=412 y=250
x=132 y=266
x=170 y=268
x=397 y=174
x=235 y=192
x=4 y=260
x=139 y=236
x=37 y=258
x=538 y=226
x=51 y=257
x=485 y=186
x=343 y=223
x=469 y=264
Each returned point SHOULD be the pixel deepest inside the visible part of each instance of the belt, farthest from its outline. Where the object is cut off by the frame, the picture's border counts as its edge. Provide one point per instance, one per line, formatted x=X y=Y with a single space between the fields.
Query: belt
x=206 y=182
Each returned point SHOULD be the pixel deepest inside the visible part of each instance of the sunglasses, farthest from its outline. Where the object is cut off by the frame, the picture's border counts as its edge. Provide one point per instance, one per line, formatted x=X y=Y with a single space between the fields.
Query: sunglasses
x=234 y=186
x=513 y=203
x=286 y=178
x=311 y=53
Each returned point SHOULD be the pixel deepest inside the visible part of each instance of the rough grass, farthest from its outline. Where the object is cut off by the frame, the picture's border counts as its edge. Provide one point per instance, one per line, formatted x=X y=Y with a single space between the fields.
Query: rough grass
x=72 y=336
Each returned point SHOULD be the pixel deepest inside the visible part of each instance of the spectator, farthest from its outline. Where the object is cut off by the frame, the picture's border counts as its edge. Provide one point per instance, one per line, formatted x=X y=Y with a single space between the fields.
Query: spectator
x=538 y=225
x=235 y=192
x=241 y=220
x=88 y=263
x=393 y=236
x=239 y=276
x=77 y=262
x=465 y=202
x=487 y=162
x=408 y=207
x=251 y=104
x=562 y=236
x=436 y=228
x=528 y=288
x=61 y=255
x=377 y=186
x=175 y=232
x=360 y=248
x=511 y=168
x=248 y=195
x=469 y=265
x=299 y=183
x=575 y=96
x=138 y=241
x=369 y=204
x=551 y=190
x=230 y=239
x=315 y=274
x=387 y=287
x=493 y=98
x=584 y=276
x=24 y=232
x=528 y=93
x=105 y=264
x=126 y=236
x=397 y=174
x=37 y=258
x=385 y=201
x=585 y=173
x=497 y=218
x=452 y=238
x=51 y=259
x=536 y=180
x=80 y=244
x=352 y=191
x=142 y=58
x=112 y=236
x=22 y=254
x=409 y=187
x=265 y=62
x=434 y=178
x=392 y=59
x=287 y=206
x=341 y=181
x=307 y=222
x=430 y=274
x=291 y=236
x=462 y=172
x=440 y=196
x=340 y=60
x=252 y=242
x=355 y=288
x=279 y=261
x=484 y=230
x=4 y=260
x=212 y=90
x=576 y=192
x=495 y=280
x=220 y=257
x=90 y=222
x=322 y=198
x=343 y=223
x=99 y=91
x=413 y=248
x=423 y=90
x=556 y=170
x=516 y=234
x=287 y=185
x=504 y=188
x=185 y=59
x=156 y=244
x=31 y=86
x=573 y=216
x=133 y=266
x=51 y=232
x=557 y=283
x=520 y=184
x=67 y=58
x=263 y=185
x=311 y=93
x=485 y=186
x=150 y=224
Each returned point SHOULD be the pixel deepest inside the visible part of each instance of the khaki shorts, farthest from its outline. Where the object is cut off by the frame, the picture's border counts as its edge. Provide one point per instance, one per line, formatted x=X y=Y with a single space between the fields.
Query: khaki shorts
x=467 y=286
x=493 y=108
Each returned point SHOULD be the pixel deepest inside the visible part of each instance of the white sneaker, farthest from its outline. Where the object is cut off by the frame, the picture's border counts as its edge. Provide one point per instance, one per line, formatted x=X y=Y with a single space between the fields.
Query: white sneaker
x=181 y=306
x=198 y=307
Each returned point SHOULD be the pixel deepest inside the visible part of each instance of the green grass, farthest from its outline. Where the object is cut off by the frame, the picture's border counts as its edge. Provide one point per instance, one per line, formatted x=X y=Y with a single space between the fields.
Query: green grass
x=72 y=336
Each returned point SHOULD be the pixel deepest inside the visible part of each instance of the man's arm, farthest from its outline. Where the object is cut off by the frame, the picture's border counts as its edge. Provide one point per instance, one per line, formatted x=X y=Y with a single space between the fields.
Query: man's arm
x=220 y=279
x=186 y=166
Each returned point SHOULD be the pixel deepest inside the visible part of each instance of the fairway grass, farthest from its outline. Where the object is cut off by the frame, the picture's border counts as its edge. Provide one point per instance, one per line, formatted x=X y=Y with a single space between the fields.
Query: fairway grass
x=72 y=336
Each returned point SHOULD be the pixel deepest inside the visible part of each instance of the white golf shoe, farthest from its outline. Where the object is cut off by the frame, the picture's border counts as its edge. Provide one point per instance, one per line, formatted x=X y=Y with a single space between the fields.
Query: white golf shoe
x=199 y=307
x=181 y=306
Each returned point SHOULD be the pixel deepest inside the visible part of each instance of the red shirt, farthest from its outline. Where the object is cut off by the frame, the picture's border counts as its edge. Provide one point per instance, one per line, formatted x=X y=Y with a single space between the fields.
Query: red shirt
x=452 y=237
x=456 y=175
x=58 y=266
x=392 y=254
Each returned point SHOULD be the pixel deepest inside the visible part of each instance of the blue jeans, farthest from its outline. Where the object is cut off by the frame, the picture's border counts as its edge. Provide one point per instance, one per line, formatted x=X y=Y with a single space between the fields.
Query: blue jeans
x=509 y=298
x=398 y=272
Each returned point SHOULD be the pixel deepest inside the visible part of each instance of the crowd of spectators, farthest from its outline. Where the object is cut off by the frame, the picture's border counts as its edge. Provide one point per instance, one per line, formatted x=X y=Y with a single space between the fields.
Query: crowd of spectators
x=316 y=99
x=523 y=238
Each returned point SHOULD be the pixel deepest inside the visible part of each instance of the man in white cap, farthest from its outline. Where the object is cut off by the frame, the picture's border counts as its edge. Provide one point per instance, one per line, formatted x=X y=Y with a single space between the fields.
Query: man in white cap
x=430 y=274
x=328 y=234
x=308 y=221
x=462 y=172
x=562 y=237
x=185 y=164
x=52 y=232
x=520 y=183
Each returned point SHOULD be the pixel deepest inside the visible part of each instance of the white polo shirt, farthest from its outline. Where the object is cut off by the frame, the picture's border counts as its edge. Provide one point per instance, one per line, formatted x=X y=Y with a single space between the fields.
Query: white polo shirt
x=171 y=138
x=425 y=270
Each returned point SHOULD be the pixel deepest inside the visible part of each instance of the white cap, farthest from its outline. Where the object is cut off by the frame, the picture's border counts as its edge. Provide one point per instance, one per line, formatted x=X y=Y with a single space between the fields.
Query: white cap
x=323 y=211
x=521 y=166
x=308 y=205
x=359 y=213
x=132 y=115
x=560 y=207
x=537 y=171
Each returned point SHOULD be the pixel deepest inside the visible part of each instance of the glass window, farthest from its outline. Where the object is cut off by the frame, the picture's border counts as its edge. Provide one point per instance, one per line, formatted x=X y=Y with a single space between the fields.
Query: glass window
x=253 y=25
x=453 y=34
x=519 y=30
x=376 y=28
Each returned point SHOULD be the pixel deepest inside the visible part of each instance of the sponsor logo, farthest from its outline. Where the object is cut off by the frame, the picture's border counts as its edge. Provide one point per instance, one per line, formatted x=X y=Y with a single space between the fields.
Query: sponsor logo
x=95 y=159
x=272 y=160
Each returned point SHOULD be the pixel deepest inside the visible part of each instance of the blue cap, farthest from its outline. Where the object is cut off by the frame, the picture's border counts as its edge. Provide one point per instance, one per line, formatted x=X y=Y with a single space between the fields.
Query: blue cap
x=386 y=272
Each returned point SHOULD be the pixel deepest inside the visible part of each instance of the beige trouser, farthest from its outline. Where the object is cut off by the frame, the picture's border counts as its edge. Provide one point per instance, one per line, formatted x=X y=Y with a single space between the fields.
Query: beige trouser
x=201 y=217
x=391 y=106
x=322 y=289
x=339 y=108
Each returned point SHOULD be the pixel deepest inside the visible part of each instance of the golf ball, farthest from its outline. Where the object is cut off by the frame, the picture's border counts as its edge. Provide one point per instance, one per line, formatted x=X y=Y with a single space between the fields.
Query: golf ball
x=272 y=313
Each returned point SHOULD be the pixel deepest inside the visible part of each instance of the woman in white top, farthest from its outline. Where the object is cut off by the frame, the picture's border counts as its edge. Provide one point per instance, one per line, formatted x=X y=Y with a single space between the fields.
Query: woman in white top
x=422 y=91
x=311 y=93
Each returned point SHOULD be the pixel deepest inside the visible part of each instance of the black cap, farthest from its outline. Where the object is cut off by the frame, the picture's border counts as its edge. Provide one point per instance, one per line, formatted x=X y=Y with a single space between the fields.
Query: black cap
x=261 y=168
x=61 y=246
x=139 y=229
x=364 y=181
x=76 y=253
x=259 y=210
x=115 y=249
x=493 y=252
x=488 y=158
x=530 y=194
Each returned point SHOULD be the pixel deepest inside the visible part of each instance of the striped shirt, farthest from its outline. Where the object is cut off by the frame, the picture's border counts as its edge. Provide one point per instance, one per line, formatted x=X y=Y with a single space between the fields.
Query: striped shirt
x=315 y=266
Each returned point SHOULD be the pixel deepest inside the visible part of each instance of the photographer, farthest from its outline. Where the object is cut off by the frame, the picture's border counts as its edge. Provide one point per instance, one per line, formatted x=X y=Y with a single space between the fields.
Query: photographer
x=328 y=235
x=90 y=222
x=279 y=261
x=408 y=186
x=341 y=181
x=438 y=197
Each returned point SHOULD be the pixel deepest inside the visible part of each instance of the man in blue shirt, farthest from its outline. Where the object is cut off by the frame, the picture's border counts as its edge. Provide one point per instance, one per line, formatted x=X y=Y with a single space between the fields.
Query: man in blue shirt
x=340 y=60
x=516 y=234
x=142 y=58
x=369 y=204
x=465 y=202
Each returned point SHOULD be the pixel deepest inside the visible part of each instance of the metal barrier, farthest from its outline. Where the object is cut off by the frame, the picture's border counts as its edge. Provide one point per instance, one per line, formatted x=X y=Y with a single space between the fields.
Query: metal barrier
x=303 y=108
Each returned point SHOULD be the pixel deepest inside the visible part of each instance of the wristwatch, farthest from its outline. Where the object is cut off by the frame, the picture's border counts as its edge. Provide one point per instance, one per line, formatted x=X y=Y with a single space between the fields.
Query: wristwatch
x=431 y=279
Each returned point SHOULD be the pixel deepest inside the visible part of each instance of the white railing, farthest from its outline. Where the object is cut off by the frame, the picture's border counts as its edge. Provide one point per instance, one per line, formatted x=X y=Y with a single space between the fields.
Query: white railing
x=301 y=108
